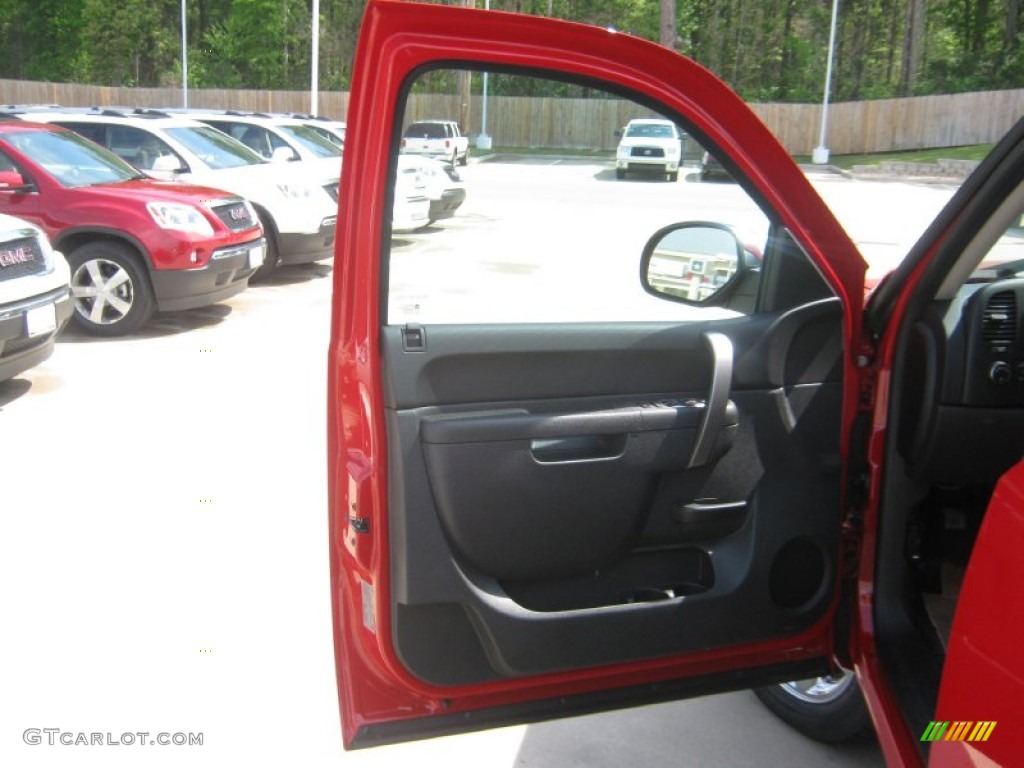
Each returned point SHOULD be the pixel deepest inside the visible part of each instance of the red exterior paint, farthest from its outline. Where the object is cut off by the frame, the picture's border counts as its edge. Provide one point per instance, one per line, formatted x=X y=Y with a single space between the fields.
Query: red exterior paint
x=118 y=209
x=396 y=38
x=984 y=669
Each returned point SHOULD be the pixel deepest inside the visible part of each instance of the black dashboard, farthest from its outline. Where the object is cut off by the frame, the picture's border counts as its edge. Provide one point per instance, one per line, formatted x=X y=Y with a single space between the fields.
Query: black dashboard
x=963 y=396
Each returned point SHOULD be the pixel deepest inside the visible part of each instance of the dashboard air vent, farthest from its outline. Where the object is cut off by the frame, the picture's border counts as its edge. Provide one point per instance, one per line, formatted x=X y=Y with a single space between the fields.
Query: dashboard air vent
x=999 y=323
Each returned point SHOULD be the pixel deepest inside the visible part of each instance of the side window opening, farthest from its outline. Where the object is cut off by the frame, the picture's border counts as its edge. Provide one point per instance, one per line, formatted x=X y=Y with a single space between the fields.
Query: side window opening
x=558 y=210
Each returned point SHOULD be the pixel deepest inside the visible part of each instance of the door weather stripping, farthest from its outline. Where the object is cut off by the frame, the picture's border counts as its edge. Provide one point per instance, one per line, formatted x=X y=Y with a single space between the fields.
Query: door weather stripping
x=717 y=399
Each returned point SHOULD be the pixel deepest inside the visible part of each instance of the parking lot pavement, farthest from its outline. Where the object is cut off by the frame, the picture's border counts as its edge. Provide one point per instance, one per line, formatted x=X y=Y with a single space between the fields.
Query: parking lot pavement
x=163 y=550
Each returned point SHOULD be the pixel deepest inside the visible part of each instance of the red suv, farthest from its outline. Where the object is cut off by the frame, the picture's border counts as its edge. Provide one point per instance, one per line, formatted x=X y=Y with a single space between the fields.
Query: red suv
x=134 y=245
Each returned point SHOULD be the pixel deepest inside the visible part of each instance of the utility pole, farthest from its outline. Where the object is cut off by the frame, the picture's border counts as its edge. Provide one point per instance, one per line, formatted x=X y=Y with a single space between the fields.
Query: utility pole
x=667 y=34
x=314 y=76
x=184 y=58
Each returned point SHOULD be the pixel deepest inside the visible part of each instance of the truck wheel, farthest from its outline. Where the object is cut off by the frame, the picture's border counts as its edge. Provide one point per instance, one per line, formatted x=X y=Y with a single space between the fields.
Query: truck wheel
x=828 y=709
x=673 y=176
x=111 y=292
x=620 y=174
x=465 y=158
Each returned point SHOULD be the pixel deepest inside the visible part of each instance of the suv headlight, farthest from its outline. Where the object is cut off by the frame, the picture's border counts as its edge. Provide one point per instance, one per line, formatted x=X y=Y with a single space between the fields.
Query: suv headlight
x=181 y=217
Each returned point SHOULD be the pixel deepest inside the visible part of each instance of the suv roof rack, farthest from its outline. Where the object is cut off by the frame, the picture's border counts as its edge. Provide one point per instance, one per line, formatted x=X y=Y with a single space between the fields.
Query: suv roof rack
x=23 y=108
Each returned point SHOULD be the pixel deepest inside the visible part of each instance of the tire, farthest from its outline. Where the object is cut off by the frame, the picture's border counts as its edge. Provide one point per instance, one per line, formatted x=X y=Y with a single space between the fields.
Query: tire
x=455 y=157
x=826 y=709
x=465 y=158
x=673 y=176
x=110 y=291
x=270 y=255
x=620 y=174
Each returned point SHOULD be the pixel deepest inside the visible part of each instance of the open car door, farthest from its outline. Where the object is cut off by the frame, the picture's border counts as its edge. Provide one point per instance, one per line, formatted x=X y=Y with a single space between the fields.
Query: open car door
x=552 y=492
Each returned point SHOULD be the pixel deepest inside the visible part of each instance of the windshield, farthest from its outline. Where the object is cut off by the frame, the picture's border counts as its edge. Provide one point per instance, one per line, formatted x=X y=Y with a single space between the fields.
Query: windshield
x=70 y=159
x=650 y=130
x=311 y=140
x=216 y=149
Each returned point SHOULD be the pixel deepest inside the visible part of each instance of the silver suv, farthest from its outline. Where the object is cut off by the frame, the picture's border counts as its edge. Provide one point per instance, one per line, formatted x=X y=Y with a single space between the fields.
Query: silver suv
x=35 y=300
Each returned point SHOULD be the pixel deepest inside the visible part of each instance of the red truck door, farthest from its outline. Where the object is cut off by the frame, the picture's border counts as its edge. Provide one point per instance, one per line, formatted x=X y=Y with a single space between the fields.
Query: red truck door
x=551 y=492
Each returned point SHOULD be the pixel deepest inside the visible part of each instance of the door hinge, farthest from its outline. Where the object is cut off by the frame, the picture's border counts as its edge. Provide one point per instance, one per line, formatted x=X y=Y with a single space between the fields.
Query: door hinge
x=850 y=538
x=858 y=488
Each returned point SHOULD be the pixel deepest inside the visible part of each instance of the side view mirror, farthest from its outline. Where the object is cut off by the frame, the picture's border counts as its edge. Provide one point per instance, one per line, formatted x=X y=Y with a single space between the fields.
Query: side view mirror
x=11 y=181
x=691 y=262
x=283 y=155
x=168 y=164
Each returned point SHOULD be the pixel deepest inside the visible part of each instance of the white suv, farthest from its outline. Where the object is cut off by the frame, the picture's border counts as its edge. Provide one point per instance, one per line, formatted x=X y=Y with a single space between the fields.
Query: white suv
x=275 y=138
x=35 y=300
x=650 y=145
x=298 y=214
x=442 y=139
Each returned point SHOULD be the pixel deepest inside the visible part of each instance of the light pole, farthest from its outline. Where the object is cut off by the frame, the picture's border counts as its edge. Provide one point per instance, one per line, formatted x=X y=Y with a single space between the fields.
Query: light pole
x=314 y=78
x=820 y=155
x=184 y=58
x=483 y=141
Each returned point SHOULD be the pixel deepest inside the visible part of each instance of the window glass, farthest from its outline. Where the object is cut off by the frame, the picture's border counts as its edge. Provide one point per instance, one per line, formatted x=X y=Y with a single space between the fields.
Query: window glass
x=213 y=147
x=72 y=160
x=92 y=131
x=560 y=200
x=256 y=138
x=311 y=140
x=136 y=146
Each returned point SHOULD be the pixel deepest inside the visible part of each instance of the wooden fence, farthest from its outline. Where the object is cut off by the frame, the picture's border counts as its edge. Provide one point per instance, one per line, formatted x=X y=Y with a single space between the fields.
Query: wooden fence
x=853 y=127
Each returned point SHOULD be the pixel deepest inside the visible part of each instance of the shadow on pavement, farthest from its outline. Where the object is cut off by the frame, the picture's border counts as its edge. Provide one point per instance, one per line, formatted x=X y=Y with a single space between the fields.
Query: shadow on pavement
x=12 y=389
x=167 y=324
x=290 y=274
x=730 y=730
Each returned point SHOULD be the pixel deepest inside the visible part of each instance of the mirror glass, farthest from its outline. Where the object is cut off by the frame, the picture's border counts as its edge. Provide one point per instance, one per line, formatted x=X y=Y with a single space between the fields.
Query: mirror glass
x=691 y=262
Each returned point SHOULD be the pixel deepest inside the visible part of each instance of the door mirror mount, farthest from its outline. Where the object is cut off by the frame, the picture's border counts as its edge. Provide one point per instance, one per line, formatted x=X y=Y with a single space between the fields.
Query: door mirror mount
x=283 y=155
x=12 y=181
x=168 y=164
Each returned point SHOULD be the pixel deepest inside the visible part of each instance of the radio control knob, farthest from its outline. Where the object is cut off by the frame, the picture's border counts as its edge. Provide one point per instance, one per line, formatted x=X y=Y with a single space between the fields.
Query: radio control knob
x=1000 y=372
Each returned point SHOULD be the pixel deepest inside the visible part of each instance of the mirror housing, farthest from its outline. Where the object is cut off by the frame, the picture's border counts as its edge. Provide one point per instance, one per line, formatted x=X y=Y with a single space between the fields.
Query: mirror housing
x=691 y=262
x=283 y=155
x=11 y=181
x=168 y=164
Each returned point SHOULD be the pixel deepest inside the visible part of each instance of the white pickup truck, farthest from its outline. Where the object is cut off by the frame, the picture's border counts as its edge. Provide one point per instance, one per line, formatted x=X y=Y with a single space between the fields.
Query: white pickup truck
x=442 y=139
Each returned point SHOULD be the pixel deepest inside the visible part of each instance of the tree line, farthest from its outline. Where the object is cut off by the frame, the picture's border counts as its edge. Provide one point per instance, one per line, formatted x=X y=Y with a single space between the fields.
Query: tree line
x=768 y=50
